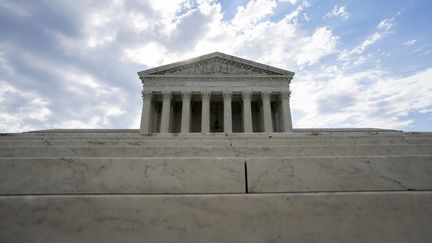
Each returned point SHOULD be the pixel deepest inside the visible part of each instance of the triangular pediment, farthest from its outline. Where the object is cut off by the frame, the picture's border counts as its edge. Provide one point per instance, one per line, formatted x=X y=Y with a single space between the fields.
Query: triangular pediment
x=215 y=64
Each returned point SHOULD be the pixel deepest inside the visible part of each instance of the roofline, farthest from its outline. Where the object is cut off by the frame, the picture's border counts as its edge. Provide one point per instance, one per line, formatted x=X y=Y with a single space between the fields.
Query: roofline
x=216 y=54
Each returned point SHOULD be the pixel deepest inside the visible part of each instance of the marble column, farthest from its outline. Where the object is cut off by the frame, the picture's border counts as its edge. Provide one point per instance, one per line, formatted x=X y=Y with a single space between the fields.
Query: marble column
x=286 y=111
x=145 y=126
x=185 y=120
x=205 y=112
x=247 y=112
x=166 y=108
x=268 y=125
x=227 y=96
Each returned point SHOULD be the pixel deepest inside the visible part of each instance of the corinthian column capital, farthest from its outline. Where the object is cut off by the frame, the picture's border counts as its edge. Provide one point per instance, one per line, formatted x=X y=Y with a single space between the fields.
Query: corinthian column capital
x=286 y=95
x=246 y=95
x=266 y=95
x=146 y=95
x=205 y=96
x=186 y=96
x=227 y=95
x=166 y=95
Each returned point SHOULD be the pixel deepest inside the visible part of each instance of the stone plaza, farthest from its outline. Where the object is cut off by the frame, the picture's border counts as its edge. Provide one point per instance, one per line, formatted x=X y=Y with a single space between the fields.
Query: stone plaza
x=216 y=159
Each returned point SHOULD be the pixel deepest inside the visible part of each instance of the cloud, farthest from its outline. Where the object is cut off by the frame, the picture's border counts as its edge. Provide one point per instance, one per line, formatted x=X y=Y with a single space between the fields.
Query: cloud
x=385 y=24
x=254 y=11
x=289 y=1
x=14 y=8
x=142 y=53
x=370 y=98
x=338 y=11
x=21 y=109
x=410 y=42
x=320 y=44
x=355 y=56
x=344 y=96
x=61 y=96
x=249 y=34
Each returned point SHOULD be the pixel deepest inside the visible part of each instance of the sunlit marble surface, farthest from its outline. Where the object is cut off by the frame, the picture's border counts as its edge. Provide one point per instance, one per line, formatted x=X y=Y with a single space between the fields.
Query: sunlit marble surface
x=311 y=217
x=215 y=151
x=121 y=175
x=347 y=173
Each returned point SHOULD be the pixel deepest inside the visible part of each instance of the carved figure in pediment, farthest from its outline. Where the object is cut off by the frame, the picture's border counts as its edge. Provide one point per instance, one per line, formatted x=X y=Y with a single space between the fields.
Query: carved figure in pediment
x=215 y=66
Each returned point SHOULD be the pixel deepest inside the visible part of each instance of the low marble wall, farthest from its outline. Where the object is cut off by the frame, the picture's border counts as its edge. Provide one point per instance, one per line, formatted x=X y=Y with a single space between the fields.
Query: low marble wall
x=179 y=136
x=215 y=151
x=121 y=175
x=317 y=217
x=366 y=173
x=218 y=142
x=214 y=175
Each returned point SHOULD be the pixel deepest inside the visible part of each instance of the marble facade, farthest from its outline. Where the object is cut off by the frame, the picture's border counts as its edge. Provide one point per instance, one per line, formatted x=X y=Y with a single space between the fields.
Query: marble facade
x=216 y=93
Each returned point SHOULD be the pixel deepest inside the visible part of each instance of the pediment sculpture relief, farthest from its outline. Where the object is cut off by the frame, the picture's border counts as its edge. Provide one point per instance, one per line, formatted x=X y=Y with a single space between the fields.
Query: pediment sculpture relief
x=216 y=66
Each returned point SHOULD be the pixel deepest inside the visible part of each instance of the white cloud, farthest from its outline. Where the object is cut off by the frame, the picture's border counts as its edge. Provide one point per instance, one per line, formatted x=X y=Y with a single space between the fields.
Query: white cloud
x=20 y=108
x=338 y=11
x=385 y=24
x=254 y=11
x=356 y=56
x=74 y=80
x=248 y=34
x=14 y=8
x=5 y=66
x=320 y=44
x=293 y=2
x=370 y=98
x=168 y=8
x=81 y=95
x=410 y=42
x=151 y=54
x=366 y=43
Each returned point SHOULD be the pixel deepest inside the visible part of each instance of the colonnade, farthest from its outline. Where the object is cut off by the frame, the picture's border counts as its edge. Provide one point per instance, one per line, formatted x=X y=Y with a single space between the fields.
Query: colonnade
x=205 y=112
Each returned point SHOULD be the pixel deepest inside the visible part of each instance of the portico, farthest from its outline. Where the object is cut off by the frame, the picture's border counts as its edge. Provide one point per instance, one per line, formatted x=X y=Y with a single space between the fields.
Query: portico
x=215 y=93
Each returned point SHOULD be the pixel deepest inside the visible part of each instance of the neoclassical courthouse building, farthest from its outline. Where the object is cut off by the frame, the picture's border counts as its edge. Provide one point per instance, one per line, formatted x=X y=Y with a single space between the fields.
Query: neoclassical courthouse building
x=216 y=93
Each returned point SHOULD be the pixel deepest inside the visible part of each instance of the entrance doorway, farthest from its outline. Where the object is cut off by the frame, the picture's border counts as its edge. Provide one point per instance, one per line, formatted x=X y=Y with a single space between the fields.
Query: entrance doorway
x=216 y=117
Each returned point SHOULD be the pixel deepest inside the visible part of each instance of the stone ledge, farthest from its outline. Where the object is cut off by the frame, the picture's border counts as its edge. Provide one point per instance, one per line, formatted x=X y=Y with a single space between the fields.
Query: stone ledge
x=363 y=173
x=121 y=175
x=212 y=142
x=113 y=130
x=214 y=175
x=396 y=217
x=215 y=151
x=300 y=130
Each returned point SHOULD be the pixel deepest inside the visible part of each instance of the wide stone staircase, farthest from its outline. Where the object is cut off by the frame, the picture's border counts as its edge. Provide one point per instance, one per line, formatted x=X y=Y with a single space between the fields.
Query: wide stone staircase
x=346 y=185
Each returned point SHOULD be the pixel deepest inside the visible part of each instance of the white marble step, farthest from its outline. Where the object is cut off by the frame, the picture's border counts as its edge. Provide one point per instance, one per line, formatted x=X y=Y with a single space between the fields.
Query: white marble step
x=232 y=142
x=363 y=173
x=100 y=142
x=214 y=175
x=197 y=136
x=121 y=175
x=417 y=134
x=396 y=217
x=214 y=151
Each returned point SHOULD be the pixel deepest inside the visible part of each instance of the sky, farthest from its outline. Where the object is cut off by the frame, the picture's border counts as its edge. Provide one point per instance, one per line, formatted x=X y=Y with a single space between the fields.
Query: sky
x=74 y=64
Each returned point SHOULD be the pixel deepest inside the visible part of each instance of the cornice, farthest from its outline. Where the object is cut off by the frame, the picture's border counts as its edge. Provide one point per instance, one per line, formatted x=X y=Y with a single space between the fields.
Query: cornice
x=216 y=78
